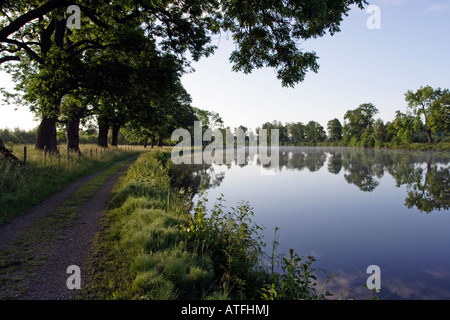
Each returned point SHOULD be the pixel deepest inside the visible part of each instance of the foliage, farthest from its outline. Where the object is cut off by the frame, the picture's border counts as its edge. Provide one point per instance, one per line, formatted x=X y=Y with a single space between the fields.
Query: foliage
x=314 y=132
x=334 y=128
x=430 y=108
x=231 y=238
x=296 y=282
x=17 y=136
x=359 y=124
x=361 y=129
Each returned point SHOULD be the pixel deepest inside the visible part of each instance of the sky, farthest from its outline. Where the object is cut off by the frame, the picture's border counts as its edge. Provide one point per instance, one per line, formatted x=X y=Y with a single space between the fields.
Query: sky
x=357 y=65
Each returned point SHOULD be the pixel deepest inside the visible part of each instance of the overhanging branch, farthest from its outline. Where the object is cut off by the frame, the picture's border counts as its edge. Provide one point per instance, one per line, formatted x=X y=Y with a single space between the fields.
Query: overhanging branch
x=15 y=25
x=9 y=58
x=22 y=45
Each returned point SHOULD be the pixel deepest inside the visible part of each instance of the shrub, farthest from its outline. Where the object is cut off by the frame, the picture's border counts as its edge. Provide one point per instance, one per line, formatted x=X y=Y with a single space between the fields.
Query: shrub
x=232 y=239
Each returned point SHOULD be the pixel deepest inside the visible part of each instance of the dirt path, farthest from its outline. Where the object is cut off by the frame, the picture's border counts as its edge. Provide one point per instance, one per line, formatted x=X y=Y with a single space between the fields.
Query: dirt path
x=72 y=247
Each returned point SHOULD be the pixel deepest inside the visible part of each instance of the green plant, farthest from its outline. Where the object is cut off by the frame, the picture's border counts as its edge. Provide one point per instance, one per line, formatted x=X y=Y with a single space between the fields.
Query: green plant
x=297 y=280
x=231 y=237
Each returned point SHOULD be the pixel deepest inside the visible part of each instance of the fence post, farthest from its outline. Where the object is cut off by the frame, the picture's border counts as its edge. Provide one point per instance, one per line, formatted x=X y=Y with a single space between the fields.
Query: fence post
x=25 y=157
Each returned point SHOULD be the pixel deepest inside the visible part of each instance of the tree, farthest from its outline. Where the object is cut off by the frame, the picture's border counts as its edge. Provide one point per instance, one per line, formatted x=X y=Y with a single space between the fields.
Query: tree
x=403 y=126
x=35 y=34
x=282 y=131
x=314 y=132
x=6 y=153
x=441 y=110
x=334 y=128
x=430 y=108
x=296 y=132
x=74 y=107
x=265 y=33
x=160 y=103
x=379 y=133
x=357 y=122
x=210 y=119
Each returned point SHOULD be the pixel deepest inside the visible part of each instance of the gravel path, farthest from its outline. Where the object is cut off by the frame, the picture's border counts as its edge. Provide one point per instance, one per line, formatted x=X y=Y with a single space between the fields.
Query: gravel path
x=72 y=247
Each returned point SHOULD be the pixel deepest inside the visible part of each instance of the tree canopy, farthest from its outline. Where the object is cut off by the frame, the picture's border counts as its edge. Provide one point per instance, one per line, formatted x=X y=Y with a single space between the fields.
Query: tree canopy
x=99 y=57
x=431 y=110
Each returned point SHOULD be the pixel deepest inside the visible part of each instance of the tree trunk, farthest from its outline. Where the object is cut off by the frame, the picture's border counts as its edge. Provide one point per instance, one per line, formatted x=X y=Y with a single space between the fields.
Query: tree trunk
x=145 y=142
x=46 y=135
x=160 y=141
x=103 y=135
x=153 y=141
x=6 y=153
x=73 y=135
x=430 y=139
x=115 y=135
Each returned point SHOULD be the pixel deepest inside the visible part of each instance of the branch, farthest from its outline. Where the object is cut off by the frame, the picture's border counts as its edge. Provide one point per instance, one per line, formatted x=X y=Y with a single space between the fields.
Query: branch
x=9 y=58
x=26 y=48
x=9 y=50
x=15 y=25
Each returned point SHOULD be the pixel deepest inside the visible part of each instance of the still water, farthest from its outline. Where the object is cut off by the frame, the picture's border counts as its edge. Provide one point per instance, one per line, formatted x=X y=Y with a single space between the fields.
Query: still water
x=352 y=208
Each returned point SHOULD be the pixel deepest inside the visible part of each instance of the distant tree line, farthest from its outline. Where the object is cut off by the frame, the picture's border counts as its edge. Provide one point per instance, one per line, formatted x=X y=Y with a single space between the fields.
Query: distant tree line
x=427 y=120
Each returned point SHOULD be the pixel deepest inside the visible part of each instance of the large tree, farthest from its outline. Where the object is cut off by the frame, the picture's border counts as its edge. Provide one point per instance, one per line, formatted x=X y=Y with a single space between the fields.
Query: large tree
x=314 y=132
x=358 y=123
x=296 y=132
x=431 y=109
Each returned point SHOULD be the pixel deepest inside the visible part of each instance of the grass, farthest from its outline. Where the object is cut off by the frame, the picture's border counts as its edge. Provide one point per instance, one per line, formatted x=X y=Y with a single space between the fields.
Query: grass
x=20 y=261
x=139 y=253
x=21 y=188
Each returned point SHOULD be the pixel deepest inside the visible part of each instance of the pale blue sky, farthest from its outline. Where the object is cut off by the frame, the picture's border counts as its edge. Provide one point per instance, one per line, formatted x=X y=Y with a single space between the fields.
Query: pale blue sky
x=357 y=65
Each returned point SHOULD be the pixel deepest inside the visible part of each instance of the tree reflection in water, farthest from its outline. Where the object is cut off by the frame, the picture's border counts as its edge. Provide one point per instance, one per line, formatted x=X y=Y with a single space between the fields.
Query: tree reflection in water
x=425 y=175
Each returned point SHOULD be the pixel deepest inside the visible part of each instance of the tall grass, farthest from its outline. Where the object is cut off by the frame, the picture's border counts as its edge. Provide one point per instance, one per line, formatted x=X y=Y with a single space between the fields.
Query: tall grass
x=23 y=187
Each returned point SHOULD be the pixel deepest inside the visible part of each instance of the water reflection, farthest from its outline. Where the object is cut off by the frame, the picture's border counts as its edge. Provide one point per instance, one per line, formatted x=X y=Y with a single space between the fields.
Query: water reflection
x=426 y=175
x=195 y=177
x=348 y=208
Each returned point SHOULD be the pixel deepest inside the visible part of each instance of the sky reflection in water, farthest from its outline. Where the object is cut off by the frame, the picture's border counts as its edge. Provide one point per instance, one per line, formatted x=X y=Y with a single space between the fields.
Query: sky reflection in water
x=351 y=208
